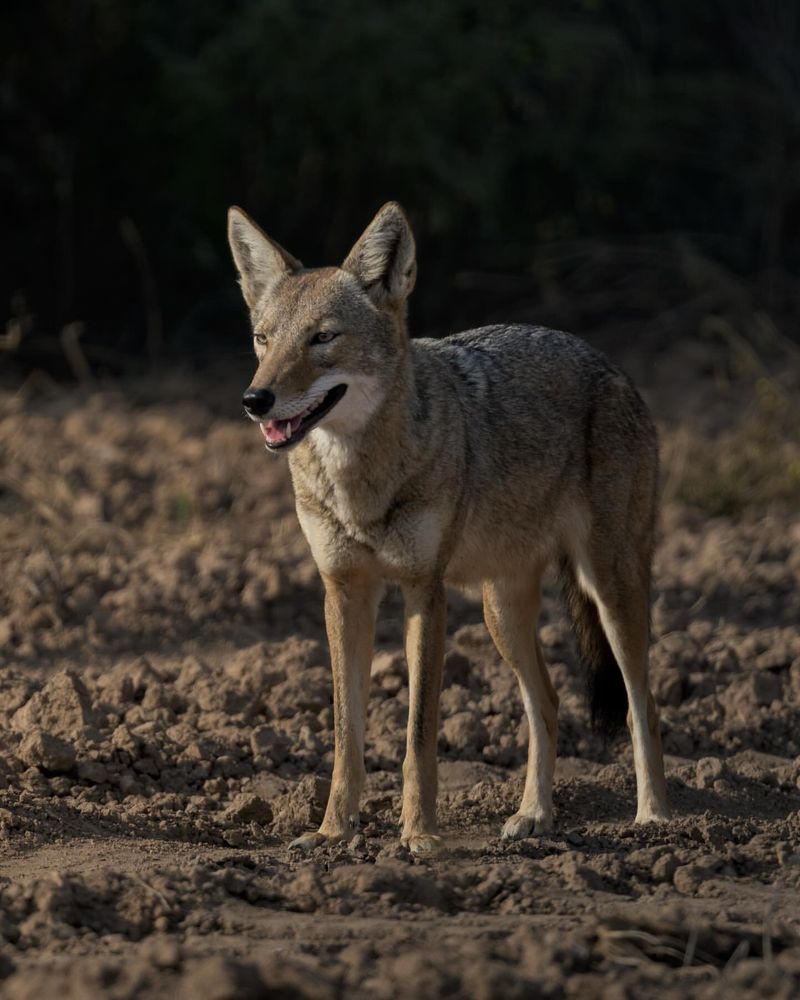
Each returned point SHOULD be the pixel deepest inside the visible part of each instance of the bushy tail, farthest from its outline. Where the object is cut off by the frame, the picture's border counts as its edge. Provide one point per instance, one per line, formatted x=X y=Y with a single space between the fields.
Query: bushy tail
x=605 y=689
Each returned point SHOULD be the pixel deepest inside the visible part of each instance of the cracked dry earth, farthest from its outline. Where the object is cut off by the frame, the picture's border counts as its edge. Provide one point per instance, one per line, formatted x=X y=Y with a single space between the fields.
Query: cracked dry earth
x=167 y=729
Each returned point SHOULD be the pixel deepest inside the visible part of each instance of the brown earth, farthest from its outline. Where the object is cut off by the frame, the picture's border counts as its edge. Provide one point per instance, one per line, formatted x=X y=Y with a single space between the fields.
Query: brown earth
x=167 y=727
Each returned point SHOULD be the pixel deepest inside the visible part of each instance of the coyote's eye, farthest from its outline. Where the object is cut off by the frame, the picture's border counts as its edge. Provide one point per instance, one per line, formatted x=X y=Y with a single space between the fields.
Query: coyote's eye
x=324 y=337
x=260 y=338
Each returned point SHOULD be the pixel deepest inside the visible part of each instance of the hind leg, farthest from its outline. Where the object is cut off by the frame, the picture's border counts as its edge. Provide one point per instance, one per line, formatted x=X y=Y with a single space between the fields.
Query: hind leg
x=511 y=610
x=622 y=601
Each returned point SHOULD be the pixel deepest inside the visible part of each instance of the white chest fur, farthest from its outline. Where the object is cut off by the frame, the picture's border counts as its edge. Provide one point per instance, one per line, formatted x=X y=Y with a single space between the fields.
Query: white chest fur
x=405 y=544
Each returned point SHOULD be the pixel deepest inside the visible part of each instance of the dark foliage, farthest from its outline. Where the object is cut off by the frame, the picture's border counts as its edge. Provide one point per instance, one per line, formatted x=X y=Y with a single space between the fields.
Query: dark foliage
x=521 y=137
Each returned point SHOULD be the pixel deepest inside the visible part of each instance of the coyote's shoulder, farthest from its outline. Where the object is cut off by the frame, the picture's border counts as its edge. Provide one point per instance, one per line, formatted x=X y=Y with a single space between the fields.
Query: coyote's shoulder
x=525 y=387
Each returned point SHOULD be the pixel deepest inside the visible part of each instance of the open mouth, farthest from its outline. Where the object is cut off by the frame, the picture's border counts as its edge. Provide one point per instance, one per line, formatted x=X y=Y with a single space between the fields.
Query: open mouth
x=284 y=433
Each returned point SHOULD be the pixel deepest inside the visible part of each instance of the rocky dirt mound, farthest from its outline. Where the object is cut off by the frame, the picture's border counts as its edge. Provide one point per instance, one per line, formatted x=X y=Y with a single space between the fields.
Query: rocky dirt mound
x=166 y=728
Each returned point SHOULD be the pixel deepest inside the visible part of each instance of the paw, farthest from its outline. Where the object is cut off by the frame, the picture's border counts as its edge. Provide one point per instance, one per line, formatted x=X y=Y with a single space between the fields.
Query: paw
x=310 y=841
x=519 y=826
x=653 y=814
x=422 y=844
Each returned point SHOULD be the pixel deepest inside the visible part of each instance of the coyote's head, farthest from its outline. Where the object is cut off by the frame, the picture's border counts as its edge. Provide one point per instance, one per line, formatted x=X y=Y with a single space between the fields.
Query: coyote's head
x=329 y=341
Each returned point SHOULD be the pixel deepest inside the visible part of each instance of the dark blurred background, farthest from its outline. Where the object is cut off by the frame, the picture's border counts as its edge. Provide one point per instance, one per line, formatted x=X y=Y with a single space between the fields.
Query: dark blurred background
x=625 y=168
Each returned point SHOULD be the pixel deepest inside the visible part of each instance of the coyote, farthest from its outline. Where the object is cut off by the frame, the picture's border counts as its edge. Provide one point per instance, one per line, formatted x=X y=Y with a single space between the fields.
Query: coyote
x=475 y=459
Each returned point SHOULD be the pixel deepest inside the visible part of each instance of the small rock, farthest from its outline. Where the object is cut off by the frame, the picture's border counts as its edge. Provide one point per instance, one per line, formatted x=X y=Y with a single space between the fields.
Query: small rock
x=395 y=852
x=504 y=753
x=472 y=637
x=234 y=838
x=249 y=808
x=668 y=687
x=766 y=687
x=688 y=878
x=676 y=651
x=708 y=770
x=664 y=868
x=464 y=731
x=44 y=750
x=552 y=635
x=162 y=952
x=62 y=707
x=227 y=766
x=146 y=766
x=455 y=698
x=92 y=770
x=457 y=668
x=123 y=739
x=33 y=780
x=358 y=845
x=128 y=784
x=320 y=789
x=222 y=978
x=758 y=766
x=388 y=669
x=267 y=743
x=61 y=785
x=721 y=657
x=777 y=657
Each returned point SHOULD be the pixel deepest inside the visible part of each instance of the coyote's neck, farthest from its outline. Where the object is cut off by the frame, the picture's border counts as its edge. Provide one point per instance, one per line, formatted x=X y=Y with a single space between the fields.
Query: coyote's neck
x=359 y=473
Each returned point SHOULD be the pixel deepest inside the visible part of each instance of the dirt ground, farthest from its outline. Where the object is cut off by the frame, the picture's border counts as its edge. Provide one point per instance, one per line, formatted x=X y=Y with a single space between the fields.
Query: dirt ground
x=166 y=727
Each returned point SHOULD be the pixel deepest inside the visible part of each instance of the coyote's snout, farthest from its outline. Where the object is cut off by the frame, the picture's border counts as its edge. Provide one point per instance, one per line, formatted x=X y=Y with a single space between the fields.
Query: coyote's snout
x=479 y=458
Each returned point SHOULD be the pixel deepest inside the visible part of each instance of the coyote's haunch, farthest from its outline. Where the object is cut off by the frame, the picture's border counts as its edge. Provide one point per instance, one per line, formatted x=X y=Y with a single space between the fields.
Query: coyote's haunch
x=478 y=458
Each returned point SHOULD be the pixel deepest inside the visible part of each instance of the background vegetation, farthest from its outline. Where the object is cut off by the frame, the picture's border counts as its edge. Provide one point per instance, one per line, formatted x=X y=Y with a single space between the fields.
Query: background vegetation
x=577 y=161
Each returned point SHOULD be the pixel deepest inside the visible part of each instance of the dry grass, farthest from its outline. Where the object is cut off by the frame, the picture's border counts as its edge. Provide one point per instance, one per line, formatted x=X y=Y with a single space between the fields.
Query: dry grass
x=753 y=461
x=754 y=464
x=681 y=943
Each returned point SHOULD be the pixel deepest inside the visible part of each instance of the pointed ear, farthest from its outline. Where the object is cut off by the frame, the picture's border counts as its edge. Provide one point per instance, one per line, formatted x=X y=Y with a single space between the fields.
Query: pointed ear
x=261 y=262
x=384 y=259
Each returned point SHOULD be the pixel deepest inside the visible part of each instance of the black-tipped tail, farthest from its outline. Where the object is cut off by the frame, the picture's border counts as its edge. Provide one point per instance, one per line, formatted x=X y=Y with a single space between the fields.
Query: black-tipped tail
x=605 y=689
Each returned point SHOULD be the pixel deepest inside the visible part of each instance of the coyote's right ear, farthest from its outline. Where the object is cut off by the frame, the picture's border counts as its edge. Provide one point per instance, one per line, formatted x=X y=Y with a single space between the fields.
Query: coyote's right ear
x=261 y=262
x=384 y=258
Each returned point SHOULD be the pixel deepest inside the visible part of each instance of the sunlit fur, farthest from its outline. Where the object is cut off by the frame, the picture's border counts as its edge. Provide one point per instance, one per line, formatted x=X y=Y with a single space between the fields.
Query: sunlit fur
x=475 y=459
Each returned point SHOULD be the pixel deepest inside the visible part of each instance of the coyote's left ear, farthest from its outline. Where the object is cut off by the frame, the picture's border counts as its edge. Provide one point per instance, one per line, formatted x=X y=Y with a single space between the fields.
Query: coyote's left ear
x=261 y=262
x=384 y=259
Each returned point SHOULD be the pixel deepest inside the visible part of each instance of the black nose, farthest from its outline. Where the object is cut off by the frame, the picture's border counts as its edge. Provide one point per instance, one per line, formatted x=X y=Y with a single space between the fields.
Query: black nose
x=258 y=401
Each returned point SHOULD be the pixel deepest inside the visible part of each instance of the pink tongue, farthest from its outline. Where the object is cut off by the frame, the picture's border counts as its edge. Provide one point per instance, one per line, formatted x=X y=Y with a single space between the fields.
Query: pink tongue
x=276 y=431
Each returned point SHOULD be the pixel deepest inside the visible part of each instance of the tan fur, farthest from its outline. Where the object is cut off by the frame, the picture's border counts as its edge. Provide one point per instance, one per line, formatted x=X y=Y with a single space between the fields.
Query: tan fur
x=510 y=609
x=476 y=459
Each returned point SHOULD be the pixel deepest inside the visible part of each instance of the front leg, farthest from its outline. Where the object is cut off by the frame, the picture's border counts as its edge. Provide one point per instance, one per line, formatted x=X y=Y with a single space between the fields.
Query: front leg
x=425 y=630
x=351 y=605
